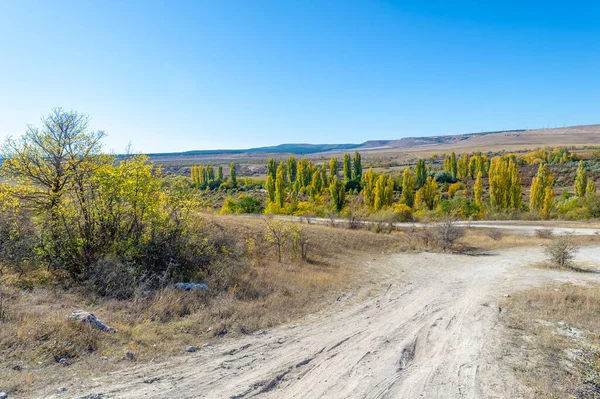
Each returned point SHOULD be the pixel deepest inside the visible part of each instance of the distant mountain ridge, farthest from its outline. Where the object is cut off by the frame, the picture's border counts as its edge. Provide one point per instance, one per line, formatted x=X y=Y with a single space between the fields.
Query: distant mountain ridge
x=299 y=148
x=518 y=138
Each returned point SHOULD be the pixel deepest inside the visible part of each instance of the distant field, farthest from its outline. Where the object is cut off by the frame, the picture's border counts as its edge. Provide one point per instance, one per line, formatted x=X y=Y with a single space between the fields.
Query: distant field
x=393 y=153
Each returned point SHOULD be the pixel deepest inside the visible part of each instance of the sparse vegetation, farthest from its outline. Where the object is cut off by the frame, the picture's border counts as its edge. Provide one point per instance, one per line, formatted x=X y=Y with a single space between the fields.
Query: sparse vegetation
x=561 y=251
x=546 y=232
x=553 y=340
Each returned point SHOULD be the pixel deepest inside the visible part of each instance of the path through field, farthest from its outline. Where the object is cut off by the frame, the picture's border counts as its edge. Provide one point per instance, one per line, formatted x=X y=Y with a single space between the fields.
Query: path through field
x=433 y=331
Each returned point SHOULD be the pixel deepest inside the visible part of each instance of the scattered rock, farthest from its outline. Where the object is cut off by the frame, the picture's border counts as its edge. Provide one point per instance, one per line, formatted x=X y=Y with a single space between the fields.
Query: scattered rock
x=207 y=346
x=64 y=362
x=191 y=286
x=93 y=396
x=506 y=295
x=86 y=317
x=151 y=380
x=3 y=395
x=18 y=367
x=129 y=355
x=62 y=389
x=191 y=349
x=221 y=333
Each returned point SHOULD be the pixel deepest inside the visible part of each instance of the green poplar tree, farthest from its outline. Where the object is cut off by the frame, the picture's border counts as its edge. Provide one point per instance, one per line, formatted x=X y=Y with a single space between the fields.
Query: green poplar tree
x=369 y=188
x=580 y=180
x=233 y=174
x=292 y=169
x=324 y=177
x=347 y=168
x=408 y=188
x=548 y=203
x=478 y=190
x=420 y=173
x=538 y=189
x=270 y=188
x=357 y=167
x=279 y=187
x=333 y=167
x=271 y=168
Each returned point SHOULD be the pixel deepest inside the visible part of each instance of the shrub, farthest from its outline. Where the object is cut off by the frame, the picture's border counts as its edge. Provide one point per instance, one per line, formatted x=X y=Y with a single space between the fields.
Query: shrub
x=443 y=177
x=112 y=278
x=403 y=212
x=561 y=251
x=447 y=233
x=545 y=232
x=454 y=188
x=229 y=206
x=300 y=242
x=383 y=221
x=495 y=234
x=248 y=204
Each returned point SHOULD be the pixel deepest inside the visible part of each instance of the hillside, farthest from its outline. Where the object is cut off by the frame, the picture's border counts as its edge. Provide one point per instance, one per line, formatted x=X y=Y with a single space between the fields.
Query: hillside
x=506 y=140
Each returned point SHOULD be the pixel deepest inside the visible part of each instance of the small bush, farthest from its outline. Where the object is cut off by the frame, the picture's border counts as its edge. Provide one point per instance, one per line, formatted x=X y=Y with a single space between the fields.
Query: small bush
x=495 y=234
x=447 y=233
x=546 y=232
x=403 y=213
x=561 y=251
x=112 y=279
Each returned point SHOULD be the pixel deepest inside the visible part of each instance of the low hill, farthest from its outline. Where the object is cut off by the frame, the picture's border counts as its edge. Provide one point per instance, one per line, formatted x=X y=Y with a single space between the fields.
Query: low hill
x=409 y=147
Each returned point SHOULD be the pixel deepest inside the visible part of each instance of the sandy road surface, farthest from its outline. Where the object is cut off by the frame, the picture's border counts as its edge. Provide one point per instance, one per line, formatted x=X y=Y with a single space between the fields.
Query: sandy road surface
x=523 y=228
x=432 y=332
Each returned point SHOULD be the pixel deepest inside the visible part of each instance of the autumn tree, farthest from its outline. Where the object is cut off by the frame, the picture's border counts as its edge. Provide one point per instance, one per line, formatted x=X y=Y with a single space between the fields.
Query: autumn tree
x=271 y=168
x=369 y=188
x=408 y=188
x=580 y=180
x=347 y=168
x=324 y=177
x=548 y=202
x=316 y=185
x=478 y=190
x=56 y=162
x=280 y=187
x=420 y=173
x=462 y=170
x=333 y=167
x=384 y=192
x=453 y=165
x=590 y=188
x=270 y=186
x=505 y=183
x=427 y=196
x=538 y=188
x=292 y=168
x=284 y=169
x=233 y=174
x=357 y=167
x=337 y=190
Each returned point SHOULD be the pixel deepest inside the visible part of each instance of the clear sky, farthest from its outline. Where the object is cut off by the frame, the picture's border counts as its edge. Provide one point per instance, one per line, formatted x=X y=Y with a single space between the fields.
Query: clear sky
x=177 y=76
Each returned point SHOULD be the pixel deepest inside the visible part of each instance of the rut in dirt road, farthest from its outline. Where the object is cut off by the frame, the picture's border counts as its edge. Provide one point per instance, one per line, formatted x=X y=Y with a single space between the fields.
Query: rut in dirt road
x=433 y=333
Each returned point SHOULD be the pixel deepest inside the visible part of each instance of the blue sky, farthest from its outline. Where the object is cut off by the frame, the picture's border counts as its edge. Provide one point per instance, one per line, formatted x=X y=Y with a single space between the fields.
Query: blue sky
x=177 y=76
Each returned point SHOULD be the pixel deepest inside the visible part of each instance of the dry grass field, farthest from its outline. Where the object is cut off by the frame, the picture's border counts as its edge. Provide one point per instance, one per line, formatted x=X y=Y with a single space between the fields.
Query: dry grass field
x=37 y=341
x=554 y=333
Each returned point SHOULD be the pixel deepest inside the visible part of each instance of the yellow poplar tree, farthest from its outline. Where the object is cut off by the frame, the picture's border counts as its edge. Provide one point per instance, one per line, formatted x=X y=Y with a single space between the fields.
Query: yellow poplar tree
x=580 y=180
x=369 y=188
x=408 y=188
x=478 y=190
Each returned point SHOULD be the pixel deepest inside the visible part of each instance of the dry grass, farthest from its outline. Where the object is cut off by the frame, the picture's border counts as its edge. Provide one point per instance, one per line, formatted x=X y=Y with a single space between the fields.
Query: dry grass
x=37 y=341
x=554 y=338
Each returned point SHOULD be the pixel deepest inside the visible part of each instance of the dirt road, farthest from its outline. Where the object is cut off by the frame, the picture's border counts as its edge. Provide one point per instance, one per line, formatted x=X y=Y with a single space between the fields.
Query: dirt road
x=432 y=331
